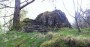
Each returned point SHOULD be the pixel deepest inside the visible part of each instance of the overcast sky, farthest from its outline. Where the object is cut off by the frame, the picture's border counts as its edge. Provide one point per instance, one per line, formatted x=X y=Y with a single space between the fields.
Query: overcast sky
x=40 y=6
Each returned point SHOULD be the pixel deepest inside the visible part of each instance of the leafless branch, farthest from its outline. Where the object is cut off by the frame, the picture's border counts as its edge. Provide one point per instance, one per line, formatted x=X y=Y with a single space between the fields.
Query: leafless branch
x=67 y=10
x=6 y=16
x=76 y=15
x=24 y=1
x=84 y=18
x=7 y=22
x=3 y=0
x=5 y=6
x=27 y=4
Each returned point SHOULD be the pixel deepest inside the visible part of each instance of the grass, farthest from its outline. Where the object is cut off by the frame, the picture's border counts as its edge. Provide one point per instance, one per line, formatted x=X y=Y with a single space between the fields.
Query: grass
x=66 y=37
x=74 y=32
x=50 y=39
x=20 y=39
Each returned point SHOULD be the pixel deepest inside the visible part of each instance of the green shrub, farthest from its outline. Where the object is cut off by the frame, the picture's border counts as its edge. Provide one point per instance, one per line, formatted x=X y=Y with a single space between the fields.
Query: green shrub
x=55 y=42
x=64 y=37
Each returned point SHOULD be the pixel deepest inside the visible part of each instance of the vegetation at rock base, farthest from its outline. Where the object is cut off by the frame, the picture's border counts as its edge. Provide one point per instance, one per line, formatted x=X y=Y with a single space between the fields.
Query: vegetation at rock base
x=63 y=37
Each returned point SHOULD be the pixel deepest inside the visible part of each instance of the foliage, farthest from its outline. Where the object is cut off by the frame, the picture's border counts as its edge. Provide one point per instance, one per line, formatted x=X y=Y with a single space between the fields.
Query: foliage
x=23 y=14
x=21 y=39
x=69 y=38
x=20 y=24
x=55 y=42
x=63 y=37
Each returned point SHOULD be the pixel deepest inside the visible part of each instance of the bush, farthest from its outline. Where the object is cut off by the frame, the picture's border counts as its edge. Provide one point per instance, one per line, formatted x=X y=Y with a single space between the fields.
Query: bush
x=55 y=42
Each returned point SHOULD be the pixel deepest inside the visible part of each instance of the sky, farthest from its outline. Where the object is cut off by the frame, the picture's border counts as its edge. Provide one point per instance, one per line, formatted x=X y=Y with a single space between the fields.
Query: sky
x=40 y=6
x=66 y=6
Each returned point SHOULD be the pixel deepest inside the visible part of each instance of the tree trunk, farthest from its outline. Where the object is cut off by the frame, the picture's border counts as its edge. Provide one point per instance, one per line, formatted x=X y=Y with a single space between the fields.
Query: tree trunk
x=76 y=16
x=16 y=18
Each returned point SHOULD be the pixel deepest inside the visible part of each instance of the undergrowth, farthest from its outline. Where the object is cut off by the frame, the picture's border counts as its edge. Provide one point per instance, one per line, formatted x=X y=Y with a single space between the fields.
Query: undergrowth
x=63 y=37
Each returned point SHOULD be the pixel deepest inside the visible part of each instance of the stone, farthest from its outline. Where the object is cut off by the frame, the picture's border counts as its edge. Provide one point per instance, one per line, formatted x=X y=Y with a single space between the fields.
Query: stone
x=55 y=18
x=46 y=20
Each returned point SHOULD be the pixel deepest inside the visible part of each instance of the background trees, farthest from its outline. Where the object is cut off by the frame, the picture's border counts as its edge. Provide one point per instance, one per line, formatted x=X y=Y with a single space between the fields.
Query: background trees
x=80 y=15
x=17 y=9
x=84 y=19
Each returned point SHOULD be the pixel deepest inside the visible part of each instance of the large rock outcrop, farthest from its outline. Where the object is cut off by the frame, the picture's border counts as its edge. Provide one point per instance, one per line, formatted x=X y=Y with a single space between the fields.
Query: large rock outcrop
x=30 y=25
x=56 y=19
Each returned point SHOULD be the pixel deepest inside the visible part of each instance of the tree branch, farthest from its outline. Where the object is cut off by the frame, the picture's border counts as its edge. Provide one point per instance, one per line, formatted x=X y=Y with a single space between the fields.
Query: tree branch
x=5 y=6
x=7 y=22
x=6 y=16
x=26 y=4
x=23 y=1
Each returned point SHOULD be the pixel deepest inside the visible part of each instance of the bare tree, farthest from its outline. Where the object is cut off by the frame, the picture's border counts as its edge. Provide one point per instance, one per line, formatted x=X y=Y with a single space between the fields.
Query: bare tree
x=16 y=18
x=76 y=14
x=84 y=19
x=17 y=9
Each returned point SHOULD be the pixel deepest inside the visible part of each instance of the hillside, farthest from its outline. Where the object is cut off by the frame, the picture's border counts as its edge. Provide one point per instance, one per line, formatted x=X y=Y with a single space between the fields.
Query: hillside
x=64 y=37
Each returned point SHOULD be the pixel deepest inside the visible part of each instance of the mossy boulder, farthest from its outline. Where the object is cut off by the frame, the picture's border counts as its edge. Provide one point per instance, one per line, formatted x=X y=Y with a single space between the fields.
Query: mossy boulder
x=55 y=18
x=29 y=25
x=46 y=20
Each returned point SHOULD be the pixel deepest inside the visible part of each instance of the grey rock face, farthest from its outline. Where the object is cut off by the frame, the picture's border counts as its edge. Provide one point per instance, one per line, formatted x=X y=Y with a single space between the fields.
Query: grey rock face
x=33 y=25
x=56 y=18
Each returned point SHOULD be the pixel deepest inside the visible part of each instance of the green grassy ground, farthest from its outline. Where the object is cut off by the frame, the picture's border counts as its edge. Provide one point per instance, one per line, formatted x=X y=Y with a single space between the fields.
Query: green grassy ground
x=56 y=38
